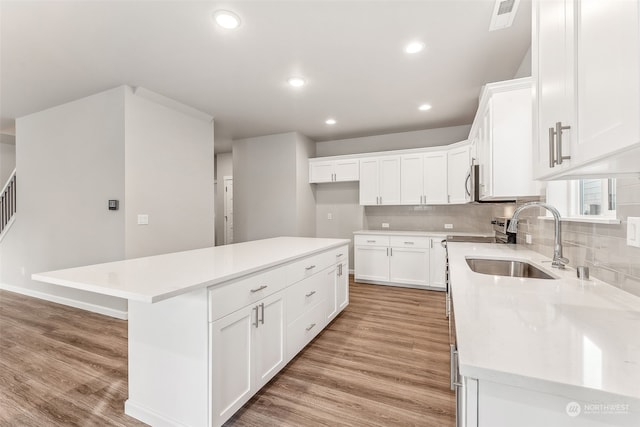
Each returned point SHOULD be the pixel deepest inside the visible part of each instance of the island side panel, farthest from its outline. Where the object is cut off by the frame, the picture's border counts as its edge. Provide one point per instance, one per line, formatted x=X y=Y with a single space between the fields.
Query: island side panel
x=168 y=361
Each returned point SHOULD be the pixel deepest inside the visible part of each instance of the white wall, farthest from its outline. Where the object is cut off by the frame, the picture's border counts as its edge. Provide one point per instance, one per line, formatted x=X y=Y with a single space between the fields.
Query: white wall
x=524 y=70
x=71 y=162
x=169 y=176
x=305 y=192
x=224 y=167
x=7 y=157
x=393 y=141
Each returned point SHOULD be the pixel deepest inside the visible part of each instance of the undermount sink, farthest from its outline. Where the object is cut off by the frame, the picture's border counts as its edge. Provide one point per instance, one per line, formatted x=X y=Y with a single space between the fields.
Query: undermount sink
x=506 y=267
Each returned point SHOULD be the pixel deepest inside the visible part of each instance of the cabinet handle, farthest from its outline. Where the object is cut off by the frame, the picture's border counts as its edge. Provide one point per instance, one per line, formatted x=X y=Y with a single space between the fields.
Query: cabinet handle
x=311 y=267
x=452 y=366
x=391 y=251
x=387 y=251
x=559 y=156
x=380 y=199
x=339 y=255
x=310 y=294
x=431 y=243
x=256 y=309
x=371 y=241
x=552 y=152
x=340 y=270
x=409 y=243
x=448 y=198
x=311 y=327
x=258 y=289
x=262 y=310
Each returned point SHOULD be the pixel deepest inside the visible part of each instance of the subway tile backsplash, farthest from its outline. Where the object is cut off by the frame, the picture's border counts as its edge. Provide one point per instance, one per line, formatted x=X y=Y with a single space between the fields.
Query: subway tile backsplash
x=601 y=247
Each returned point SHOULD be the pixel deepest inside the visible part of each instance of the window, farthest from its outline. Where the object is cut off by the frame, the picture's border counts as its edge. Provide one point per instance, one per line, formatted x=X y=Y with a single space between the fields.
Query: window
x=585 y=199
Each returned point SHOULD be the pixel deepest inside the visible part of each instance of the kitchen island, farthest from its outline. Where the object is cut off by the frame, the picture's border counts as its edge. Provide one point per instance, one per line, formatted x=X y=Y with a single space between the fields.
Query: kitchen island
x=531 y=352
x=209 y=327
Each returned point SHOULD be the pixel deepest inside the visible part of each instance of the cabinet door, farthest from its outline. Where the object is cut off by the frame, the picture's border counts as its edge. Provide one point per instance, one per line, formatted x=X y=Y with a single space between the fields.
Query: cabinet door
x=553 y=71
x=321 y=171
x=369 y=181
x=331 y=279
x=372 y=263
x=269 y=339
x=342 y=288
x=347 y=170
x=485 y=153
x=409 y=266
x=608 y=77
x=389 y=180
x=411 y=179
x=435 y=178
x=458 y=165
x=231 y=366
x=437 y=264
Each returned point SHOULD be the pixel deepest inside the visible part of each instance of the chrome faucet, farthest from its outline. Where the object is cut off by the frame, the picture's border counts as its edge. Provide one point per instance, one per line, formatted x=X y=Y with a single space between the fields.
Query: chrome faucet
x=558 y=260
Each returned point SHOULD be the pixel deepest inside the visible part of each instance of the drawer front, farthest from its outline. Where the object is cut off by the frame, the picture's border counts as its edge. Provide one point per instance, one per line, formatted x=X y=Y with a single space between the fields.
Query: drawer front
x=305 y=328
x=309 y=266
x=307 y=293
x=371 y=240
x=410 y=242
x=341 y=254
x=240 y=293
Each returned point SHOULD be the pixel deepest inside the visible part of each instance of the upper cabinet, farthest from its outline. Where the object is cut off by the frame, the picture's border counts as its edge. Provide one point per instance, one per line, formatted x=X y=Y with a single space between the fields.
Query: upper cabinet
x=458 y=164
x=502 y=133
x=380 y=180
x=423 y=179
x=586 y=69
x=334 y=170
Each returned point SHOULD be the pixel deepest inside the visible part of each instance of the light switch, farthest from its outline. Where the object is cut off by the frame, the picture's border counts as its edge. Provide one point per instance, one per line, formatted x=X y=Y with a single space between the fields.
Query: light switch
x=329 y=215
x=385 y=225
x=143 y=219
x=448 y=226
x=633 y=231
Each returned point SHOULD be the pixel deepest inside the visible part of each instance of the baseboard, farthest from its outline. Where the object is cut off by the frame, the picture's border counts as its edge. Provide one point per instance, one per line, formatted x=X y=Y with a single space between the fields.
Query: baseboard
x=94 y=308
x=148 y=416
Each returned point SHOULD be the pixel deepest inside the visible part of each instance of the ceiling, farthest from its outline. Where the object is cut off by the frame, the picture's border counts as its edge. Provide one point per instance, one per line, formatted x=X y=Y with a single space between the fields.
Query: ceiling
x=350 y=52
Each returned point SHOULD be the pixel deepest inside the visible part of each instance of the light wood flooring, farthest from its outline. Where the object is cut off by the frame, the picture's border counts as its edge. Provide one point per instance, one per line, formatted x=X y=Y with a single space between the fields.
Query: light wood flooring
x=383 y=362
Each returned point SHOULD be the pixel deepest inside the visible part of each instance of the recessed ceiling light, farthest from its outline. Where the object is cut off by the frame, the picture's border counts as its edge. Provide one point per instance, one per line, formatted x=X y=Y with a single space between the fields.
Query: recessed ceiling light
x=296 y=81
x=226 y=19
x=424 y=107
x=331 y=121
x=414 y=47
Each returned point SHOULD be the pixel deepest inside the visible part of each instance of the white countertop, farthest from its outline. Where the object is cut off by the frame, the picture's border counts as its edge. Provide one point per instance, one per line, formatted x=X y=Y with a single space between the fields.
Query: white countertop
x=155 y=278
x=421 y=233
x=563 y=336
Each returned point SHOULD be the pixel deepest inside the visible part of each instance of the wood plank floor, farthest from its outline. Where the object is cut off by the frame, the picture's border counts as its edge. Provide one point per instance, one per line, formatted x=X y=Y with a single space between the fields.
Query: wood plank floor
x=383 y=362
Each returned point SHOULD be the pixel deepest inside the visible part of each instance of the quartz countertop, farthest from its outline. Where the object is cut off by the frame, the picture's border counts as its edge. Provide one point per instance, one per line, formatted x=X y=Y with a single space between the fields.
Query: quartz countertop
x=567 y=336
x=421 y=233
x=155 y=278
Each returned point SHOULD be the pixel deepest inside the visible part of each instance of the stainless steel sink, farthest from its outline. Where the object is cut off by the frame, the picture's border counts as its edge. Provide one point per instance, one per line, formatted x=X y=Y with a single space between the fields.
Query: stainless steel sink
x=506 y=267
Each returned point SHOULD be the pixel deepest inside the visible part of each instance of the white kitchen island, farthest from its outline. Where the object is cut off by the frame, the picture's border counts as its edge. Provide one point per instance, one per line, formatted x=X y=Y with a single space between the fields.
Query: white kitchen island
x=209 y=327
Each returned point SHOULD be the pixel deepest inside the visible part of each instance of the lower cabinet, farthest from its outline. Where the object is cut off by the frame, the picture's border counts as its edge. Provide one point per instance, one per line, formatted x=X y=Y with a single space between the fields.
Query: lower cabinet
x=250 y=350
x=417 y=261
x=338 y=297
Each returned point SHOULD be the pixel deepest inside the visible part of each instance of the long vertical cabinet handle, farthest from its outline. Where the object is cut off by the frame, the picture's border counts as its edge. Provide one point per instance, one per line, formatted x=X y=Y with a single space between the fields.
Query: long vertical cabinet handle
x=262 y=310
x=552 y=150
x=256 y=309
x=558 y=132
x=452 y=366
x=387 y=251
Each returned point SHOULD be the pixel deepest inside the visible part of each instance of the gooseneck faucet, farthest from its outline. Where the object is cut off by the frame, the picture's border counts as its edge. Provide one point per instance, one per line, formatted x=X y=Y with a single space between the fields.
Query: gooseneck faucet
x=558 y=260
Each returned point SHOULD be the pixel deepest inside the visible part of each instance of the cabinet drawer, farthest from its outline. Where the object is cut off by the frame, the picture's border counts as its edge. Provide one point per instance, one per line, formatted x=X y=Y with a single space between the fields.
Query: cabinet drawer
x=410 y=242
x=307 y=293
x=371 y=240
x=341 y=254
x=240 y=293
x=309 y=266
x=305 y=328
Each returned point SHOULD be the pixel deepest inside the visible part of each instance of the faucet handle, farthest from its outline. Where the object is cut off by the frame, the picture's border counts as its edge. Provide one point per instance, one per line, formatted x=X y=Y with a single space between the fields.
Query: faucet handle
x=559 y=262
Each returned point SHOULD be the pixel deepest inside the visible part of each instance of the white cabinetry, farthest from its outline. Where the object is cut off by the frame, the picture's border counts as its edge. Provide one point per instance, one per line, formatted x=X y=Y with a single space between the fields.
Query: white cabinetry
x=404 y=259
x=502 y=131
x=380 y=180
x=458 y=164
x=424 y=178
x=586 y=67
x=334 y=170
x=250 y=351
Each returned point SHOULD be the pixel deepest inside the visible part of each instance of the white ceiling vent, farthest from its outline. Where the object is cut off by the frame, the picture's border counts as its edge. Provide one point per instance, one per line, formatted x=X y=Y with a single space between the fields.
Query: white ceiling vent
x=503 y=13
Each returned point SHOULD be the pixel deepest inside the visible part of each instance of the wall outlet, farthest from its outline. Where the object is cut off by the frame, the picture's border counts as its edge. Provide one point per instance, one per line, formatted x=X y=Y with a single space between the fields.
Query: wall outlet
x=633 y=231
x=143 y=219
x=385 y=225
x=448 y=226
x=329 y=215
x=528 y=239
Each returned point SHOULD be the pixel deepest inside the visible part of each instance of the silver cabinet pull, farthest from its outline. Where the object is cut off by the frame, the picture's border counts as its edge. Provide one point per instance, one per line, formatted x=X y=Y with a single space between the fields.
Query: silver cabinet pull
x=552 y=152
x=409 y=243
x=431 y=243
x=387 y=251
x=262 y=310
x=256 y=309
x=559 y=129
x=452 y=366
x=258 y=289
x=310 y=294
x=371 y=241
x=311 y=326
x=311 y=267
x=339 y=255
x=391 y=251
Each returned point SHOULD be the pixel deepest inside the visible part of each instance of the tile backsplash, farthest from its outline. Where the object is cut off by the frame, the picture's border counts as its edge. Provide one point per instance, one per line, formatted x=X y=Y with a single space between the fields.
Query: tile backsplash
x=465 y=218
x=601 y=247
